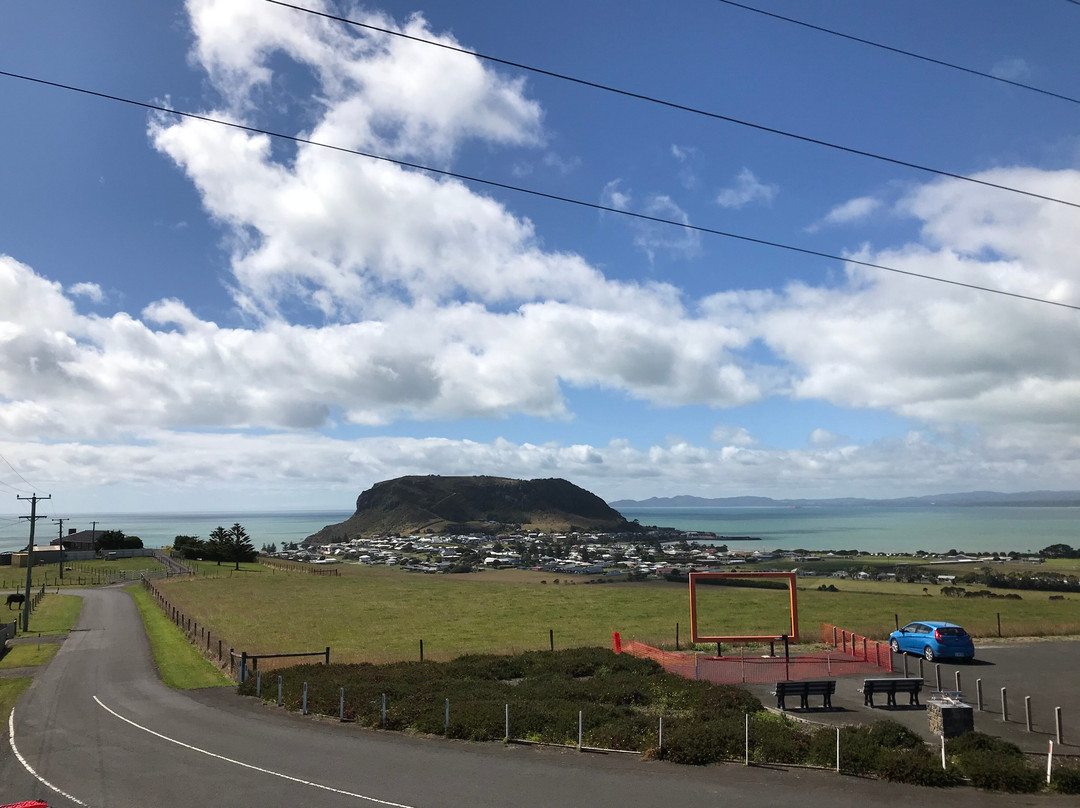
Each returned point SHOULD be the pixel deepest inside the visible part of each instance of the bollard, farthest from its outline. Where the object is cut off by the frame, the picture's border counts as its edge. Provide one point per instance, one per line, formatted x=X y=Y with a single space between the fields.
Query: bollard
x=905 y=665
x=579 y=725
x=384 y=709
x=937 y=676
x=303 y=708
x=746 y=742
x=279 y=691
x=1057 y=725
x=551 y=638
x=421 y=650
x=258 y=683
x=341 y=706
x=958 y=688
x=1027 y=712
x=838 y=750
x=921 y=674
x=446 y=723
x=1004 y=706
x=660 y=735
x=978 y=694
x=506 y=737
x=676 y=636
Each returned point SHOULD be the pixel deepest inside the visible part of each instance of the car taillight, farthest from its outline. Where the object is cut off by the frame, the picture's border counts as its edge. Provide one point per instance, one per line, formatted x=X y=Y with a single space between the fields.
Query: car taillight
x=937 y=634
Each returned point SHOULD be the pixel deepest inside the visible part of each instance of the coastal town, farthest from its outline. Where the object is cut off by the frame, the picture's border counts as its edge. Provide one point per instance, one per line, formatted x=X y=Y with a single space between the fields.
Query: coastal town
x=659 y=554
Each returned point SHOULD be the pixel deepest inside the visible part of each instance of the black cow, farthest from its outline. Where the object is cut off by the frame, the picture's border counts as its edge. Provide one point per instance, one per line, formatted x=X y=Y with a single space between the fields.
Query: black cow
x=20 y=599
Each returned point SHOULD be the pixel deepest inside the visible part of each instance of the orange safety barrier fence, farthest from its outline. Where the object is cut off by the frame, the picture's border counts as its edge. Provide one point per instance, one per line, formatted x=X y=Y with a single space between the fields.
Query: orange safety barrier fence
x=763 y=670
x=858 y=646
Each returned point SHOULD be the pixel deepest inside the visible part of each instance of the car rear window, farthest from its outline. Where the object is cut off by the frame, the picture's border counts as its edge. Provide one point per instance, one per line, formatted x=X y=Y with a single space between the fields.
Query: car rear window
x=951 y=631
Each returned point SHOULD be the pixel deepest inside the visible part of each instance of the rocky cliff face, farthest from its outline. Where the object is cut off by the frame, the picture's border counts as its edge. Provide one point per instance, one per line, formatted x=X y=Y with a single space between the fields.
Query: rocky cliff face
x=434 y=504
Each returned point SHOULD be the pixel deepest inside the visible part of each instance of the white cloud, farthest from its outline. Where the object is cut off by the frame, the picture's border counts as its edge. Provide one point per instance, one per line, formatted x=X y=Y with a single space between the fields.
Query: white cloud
x=1011 y=69
x=747 y=189
x=91 y=291
x=854 y=210
x=732 y=436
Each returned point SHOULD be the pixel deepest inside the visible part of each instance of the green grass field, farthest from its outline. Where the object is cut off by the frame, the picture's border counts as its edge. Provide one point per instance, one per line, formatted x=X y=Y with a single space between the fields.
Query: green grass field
x=179 y=664
x=76 y=573
x=379 y=614
x=9 y=692
x=25 y=656
x=55 y=614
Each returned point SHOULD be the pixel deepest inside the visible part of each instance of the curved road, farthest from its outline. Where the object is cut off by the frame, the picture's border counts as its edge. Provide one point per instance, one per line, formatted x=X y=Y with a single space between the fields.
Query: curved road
x=101 y=730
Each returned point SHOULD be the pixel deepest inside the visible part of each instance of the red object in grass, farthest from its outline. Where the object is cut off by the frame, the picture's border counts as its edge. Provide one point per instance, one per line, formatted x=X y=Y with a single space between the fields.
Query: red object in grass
x=27 y=804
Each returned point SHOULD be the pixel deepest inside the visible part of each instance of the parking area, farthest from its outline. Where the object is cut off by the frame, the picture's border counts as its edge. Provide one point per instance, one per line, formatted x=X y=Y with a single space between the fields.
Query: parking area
x=1046 y=672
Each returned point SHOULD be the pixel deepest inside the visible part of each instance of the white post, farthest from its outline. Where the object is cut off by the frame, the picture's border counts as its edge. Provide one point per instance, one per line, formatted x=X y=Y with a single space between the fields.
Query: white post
x=660 y=742
x=1049 y=762
x=506 y=738
x=446 y=724
x=942 y=751
x=341 y=706
x=384 y=709
x=838 y=750
x=579 y=724
x=746 y=762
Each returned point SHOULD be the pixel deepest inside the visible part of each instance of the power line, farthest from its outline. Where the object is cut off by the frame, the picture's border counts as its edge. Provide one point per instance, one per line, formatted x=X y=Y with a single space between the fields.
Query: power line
x=902 y=52
x=674 y=105
x=13 y=488
x=536 y=193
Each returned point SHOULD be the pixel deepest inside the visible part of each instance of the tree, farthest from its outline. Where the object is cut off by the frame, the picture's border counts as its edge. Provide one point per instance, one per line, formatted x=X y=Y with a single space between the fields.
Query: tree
x=235 y=544
x=188 y=546
x=215 y=547
x=116 y=540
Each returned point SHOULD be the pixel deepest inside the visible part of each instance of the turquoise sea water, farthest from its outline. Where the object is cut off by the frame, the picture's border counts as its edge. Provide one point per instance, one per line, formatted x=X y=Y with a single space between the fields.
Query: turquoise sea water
x=934 y=529
x=878 y=529
x=159 y=529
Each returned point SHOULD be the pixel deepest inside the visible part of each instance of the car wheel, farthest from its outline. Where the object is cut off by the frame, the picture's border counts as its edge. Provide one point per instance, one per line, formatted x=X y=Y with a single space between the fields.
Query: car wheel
x=928 y=654
x=895 y=646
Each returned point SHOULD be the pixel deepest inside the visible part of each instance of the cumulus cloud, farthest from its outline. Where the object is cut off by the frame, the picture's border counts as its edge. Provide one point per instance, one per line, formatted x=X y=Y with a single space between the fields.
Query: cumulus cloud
x=747 y=189
x=732 y=436
x=853 y=210
x=91 y=291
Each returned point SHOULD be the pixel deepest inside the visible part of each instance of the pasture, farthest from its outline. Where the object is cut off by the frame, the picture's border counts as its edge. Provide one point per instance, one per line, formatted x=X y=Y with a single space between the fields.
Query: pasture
x=380 y=614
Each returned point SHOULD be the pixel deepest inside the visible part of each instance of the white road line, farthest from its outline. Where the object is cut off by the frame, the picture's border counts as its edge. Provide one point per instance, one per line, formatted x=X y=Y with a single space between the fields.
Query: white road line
x=29 y=768
x=242 y=764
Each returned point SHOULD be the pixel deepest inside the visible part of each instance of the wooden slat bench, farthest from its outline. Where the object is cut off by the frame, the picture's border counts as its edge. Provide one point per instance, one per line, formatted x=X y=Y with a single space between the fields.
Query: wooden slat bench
x=809 y=687
x=890 y=687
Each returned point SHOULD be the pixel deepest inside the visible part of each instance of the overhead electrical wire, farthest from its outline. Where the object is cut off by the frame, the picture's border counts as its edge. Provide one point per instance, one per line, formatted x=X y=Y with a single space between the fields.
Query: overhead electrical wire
x=13 y=488
x=534 y=192
x=902 y=52
x=675 y=105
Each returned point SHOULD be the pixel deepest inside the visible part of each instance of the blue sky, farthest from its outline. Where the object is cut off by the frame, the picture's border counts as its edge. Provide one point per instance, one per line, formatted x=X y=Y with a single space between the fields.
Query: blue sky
x=195 y=317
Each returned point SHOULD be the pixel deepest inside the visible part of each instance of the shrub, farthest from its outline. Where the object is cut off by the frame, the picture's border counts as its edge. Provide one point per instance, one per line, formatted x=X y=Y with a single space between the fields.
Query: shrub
x=699 y=743
x=1066 y=780
x=775 y=739
x=998 y=773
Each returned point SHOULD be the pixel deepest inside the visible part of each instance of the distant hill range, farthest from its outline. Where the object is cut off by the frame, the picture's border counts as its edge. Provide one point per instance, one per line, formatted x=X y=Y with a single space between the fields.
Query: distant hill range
x=1028 y=498
x=436 y=505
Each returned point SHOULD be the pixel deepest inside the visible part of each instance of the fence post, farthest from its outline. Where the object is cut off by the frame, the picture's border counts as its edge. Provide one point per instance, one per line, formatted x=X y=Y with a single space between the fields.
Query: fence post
x=446 y=723
x=279 y=691
x=676 y=636
x=258 y=683
x=1004 y=706
x=384 y=709
x=341 y=706
x=243 y=666
x=978 y=694
x=327 y=655
x=1057 y=725
x=580 y=722
x=421 y=650
x=999 y=623
x=1027 y=712
x=304 y=705
x=506 y=737
x=551 y=638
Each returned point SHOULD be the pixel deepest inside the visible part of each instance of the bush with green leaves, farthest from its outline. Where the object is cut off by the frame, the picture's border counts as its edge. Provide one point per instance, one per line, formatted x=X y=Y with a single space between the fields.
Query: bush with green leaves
x=992 y=763
x=1066 y=780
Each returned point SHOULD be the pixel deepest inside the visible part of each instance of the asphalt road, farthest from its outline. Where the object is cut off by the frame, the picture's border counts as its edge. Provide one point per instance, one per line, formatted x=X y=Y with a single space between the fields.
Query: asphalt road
x=100 y=728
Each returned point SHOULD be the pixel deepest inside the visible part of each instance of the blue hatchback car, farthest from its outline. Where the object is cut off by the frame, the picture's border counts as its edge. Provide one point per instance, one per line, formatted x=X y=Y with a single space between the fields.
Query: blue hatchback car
x=933 y=640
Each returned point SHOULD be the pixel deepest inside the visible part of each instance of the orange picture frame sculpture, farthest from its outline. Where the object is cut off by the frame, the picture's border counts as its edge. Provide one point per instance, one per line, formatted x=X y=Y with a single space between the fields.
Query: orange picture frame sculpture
x=793 y=633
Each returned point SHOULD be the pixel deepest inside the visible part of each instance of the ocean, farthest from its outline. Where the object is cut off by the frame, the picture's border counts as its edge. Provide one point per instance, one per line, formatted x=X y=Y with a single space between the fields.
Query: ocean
x=872 y=528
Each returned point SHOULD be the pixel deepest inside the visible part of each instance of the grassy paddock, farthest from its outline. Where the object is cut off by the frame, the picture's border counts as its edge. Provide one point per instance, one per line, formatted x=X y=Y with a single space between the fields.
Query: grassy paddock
x=179 y=664
x=379 y=614
x=26 y=656
x=76 y=573
x=55 y=614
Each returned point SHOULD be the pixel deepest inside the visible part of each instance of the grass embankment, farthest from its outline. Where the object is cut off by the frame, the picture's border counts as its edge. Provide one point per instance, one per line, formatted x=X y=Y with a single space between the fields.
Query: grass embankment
x=28 y=656
x=9 y=693
x=179 y=664
x=380 y=614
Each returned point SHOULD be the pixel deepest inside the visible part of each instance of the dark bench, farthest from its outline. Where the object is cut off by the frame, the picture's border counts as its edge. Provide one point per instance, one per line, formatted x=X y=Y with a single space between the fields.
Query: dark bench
x=890 y=687
x=804 y=690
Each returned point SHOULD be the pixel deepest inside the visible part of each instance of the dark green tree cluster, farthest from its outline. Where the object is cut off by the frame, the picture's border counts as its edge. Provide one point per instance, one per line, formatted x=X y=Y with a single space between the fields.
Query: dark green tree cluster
x=116 y=540
x=232 y=544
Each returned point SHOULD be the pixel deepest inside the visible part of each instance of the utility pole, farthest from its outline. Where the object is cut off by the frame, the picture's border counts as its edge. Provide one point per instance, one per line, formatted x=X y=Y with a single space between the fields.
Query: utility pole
x=33 y=517
x=61 y=537
x=93 y=536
